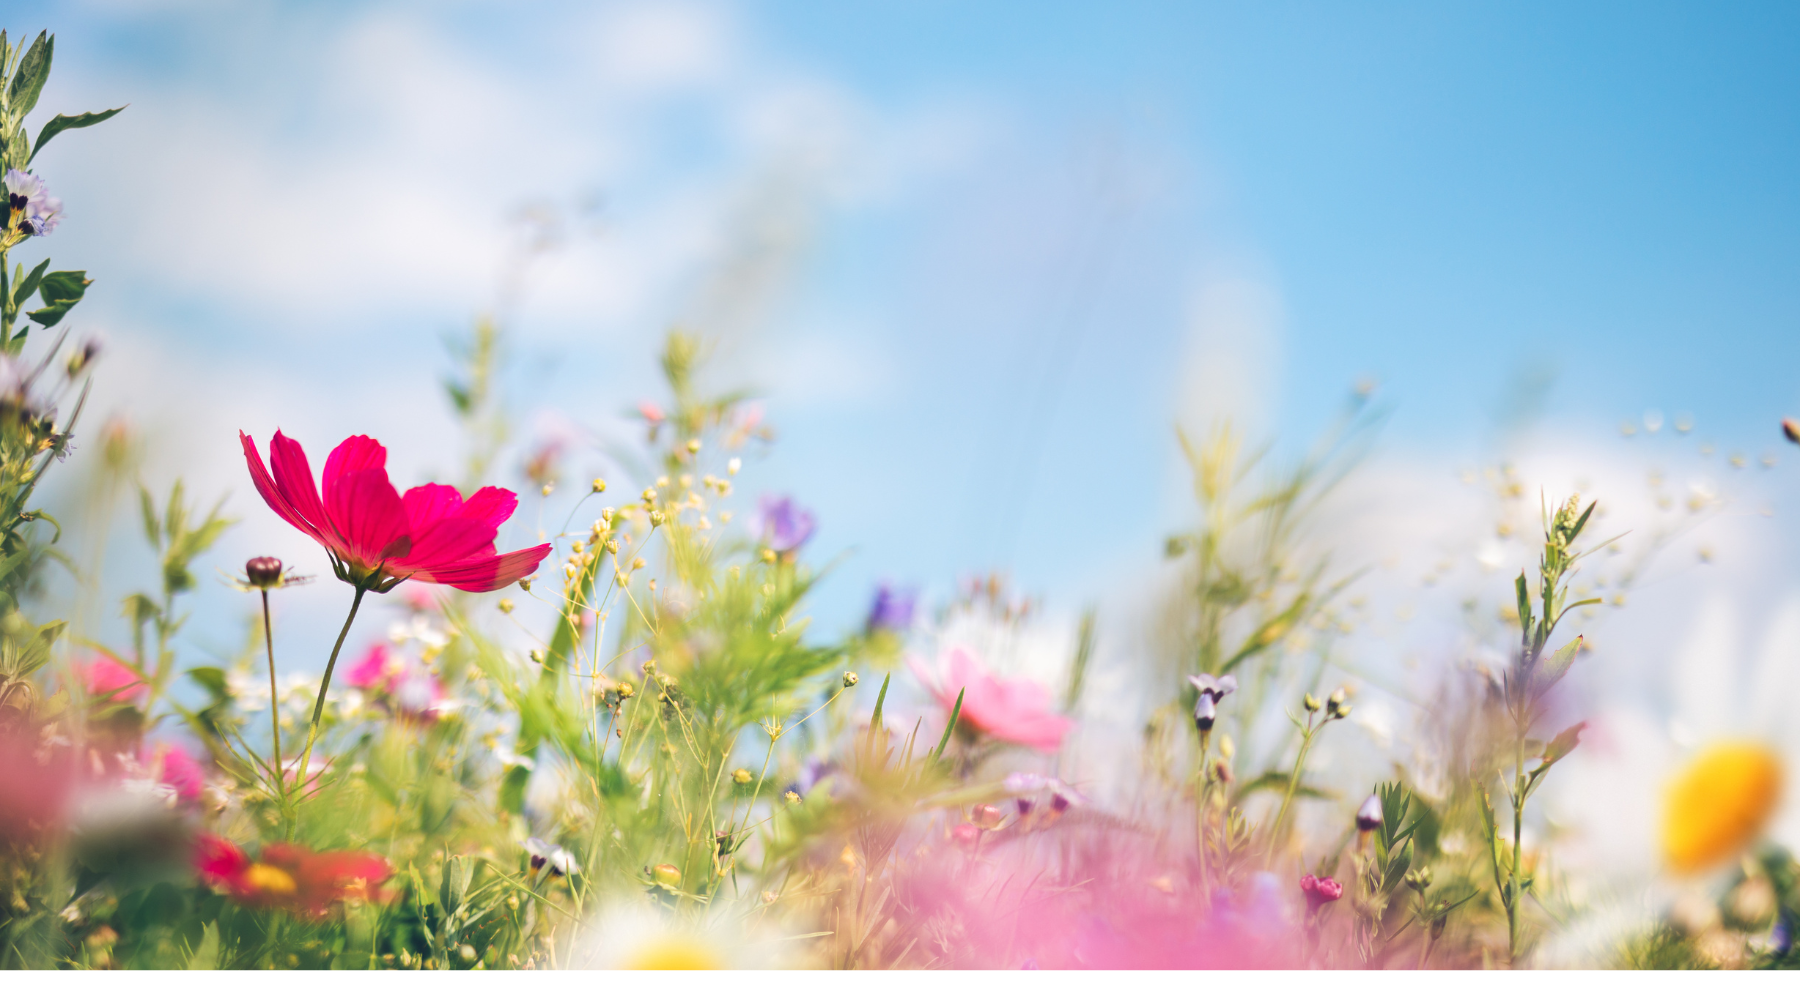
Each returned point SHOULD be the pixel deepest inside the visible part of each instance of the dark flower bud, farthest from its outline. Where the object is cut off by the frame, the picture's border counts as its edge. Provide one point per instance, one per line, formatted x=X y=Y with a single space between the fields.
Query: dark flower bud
x=985 y=817
x=1790 y=429
x=1206 y=712
x=263 y=571
x=1368 y=817
x=1024 y=807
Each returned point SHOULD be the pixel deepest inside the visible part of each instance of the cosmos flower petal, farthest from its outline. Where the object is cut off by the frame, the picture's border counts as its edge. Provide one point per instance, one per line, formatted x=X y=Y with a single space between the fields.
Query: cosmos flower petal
x=490 y=573
x=367 y=513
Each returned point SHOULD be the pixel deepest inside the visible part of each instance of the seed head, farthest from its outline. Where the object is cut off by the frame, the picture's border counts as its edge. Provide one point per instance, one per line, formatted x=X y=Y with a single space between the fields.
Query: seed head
x=263 y=571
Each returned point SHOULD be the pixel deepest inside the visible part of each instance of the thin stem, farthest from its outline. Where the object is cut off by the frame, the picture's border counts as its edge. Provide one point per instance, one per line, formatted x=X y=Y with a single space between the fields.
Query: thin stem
x=312 y=731
x=1513 y=903
x=274 y=699
x=1293 y=786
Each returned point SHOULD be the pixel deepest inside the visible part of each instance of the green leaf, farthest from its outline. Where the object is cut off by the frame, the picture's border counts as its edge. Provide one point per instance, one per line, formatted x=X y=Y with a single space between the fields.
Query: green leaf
x=206 y=957
x=28 y=81
x=30 y=283
x=152 y=524
x=1563 y=745
x=1524 y=590
x=61 y=290
x=1556 y=666
x=880 y=700
x=455 y=887
x=949 y=727
x=213 y=680
x=62 y=123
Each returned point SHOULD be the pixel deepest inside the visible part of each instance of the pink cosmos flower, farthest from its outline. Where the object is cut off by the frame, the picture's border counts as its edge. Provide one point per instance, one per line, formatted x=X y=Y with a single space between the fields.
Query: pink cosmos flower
x=371 y=673
x=1320 y=891
x=1011 y=711
x=377 y=537
x=104 y=675
x=173 y=767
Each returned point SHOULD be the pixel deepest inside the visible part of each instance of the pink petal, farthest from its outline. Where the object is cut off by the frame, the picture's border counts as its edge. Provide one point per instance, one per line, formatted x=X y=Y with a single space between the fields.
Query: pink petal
x=368 y=515
x=430 y=503
x=371 y=670
x=489 y=573
x=446 y=543
x=294 y=478
x=272 y=494
x=357 y=453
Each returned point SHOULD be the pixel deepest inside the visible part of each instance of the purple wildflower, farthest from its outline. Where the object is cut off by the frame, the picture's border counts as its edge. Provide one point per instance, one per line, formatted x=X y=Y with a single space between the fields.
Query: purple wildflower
x=785 y=525
x=33 y=210
x=892 y=610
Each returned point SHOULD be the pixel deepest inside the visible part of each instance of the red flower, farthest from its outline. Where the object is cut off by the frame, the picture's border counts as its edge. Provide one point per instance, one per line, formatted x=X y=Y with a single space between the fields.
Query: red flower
x=1320 y=891
x=290 y=876
x=376 y=536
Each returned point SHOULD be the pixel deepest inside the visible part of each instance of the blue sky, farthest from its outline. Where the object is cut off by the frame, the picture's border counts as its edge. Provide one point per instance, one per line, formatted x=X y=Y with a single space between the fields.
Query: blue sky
x=999 y=248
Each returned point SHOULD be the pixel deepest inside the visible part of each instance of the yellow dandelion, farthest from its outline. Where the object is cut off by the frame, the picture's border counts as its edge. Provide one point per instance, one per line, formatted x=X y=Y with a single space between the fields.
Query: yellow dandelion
x=1715 y=807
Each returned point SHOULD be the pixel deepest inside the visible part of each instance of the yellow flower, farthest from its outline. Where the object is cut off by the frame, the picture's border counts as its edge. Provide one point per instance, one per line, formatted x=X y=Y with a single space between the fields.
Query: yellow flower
x=674 y=952
x=1719 y=804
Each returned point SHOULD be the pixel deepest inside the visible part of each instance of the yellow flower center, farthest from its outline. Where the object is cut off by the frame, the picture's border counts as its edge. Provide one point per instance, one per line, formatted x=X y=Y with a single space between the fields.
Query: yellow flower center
x=674 y=953
x=269 y=879
x=1719 y=804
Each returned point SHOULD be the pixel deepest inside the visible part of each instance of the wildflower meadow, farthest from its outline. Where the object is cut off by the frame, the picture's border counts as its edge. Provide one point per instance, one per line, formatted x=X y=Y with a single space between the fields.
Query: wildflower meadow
x=572 y=708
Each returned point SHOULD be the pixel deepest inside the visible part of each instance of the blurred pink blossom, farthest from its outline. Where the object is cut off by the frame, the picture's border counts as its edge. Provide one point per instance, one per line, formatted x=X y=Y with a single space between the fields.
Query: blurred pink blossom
x=1015 y=710
x=104 y=675
x=172 y=766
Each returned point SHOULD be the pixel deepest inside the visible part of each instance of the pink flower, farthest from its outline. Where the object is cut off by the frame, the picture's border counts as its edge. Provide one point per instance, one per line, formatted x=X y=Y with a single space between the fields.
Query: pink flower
x=376 y=537
x=650 y=411
x=1320 y=891
x=372 y=671
x=173 y=767
x=105 y=676
x=1011 y=711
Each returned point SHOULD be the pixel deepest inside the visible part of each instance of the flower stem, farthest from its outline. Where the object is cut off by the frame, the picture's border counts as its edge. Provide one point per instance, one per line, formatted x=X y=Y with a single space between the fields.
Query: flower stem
x=274 y=701
x=312 y=731
x=1287 y=798
x=1513 y=901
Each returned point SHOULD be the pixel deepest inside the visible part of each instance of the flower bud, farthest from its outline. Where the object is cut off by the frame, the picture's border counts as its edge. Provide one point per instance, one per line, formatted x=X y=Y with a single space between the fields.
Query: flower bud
x=506 y=606
x=599 y=486
x=768 y=555
x=666 y=875
x=850 y=678
x=985 y=817
x=1368 y=817
x=732 y=467
x=693 y=446
x=1311 y=703
x=1221 y=771
x=769 y=897
x=1342 y=712
x=742 y=776
x=1336 y=699
x=792 y=797
x=626 y=690
x=649 y=496
x=1790 y=429
x=1206 y=712
x=549 y=488
x=1227 y=749
x=263 y=571
x=656 y=517
x=638 y=563
x=1419 y=879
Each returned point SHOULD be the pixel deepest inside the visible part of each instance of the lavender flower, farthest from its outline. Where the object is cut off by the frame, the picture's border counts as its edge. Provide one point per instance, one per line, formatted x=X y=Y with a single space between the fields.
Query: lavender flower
x=785 y=525
x=892 y=610
x=1212 y=691
x=33 y=211
x=543 y=853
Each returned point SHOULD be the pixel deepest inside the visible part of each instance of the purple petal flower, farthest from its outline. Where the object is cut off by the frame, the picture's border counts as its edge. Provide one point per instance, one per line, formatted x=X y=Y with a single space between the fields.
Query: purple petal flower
x=785 y=525
x=892 y=610
x=30 y=204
